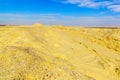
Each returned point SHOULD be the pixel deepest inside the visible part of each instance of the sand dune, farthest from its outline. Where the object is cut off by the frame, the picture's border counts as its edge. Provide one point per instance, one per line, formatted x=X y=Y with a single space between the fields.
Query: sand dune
x=59 y=53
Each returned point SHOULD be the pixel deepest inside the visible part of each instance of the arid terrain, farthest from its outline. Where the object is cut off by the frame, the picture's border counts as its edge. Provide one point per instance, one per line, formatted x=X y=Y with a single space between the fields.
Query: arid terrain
x=40 y=52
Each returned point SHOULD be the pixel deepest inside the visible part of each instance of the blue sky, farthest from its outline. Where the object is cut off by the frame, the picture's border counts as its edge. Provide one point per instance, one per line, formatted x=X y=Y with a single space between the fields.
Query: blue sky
x=61 y=12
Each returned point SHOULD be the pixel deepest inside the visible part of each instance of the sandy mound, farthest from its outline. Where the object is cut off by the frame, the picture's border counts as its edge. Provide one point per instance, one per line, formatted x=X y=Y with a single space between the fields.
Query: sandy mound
x=37 y=25
x=59 y=53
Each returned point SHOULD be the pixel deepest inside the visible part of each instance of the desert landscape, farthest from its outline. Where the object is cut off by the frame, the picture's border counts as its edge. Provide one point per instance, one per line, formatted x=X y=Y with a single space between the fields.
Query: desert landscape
x=42 y=52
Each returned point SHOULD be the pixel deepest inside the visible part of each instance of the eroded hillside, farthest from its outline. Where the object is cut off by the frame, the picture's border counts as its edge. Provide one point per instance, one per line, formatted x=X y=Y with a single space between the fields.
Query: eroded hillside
x=59 y=53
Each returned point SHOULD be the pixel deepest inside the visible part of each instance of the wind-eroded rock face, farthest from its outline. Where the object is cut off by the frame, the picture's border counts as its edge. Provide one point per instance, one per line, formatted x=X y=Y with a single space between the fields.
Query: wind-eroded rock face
x=59 y=53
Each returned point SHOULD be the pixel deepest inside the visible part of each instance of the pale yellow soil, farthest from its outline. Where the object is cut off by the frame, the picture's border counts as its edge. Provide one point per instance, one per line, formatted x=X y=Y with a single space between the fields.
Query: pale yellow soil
x=39 y=52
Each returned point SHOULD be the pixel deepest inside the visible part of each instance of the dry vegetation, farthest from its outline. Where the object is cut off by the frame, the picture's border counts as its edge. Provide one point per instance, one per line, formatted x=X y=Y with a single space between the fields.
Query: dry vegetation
x=39 y=52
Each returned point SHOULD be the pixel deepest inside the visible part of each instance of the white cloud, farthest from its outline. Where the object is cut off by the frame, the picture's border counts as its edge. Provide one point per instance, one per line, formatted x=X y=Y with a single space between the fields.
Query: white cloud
x=89 y=3
x=110 y=4
x=57 y=19
x=115 y=8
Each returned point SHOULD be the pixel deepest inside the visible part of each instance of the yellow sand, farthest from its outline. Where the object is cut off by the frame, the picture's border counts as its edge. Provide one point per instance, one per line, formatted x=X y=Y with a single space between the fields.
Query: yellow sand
x=42 y=52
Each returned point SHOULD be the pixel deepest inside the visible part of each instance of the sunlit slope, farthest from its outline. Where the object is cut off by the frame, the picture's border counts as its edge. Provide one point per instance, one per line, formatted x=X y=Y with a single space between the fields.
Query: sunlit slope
x=59 y=53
